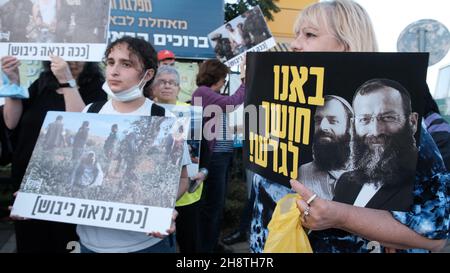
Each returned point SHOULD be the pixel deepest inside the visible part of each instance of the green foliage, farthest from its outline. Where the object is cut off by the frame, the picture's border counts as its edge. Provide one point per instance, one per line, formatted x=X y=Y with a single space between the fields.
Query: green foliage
x=268 y=7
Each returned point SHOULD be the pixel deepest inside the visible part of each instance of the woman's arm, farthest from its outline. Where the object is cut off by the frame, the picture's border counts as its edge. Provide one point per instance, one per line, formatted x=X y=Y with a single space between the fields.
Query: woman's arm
x=13 y=107
x=12 y=112
x=210 y=97
x=372 y=224
x=72 y=97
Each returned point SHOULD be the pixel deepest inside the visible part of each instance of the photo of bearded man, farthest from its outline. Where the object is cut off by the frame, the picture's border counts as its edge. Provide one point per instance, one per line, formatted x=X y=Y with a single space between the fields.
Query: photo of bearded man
x=384 y=148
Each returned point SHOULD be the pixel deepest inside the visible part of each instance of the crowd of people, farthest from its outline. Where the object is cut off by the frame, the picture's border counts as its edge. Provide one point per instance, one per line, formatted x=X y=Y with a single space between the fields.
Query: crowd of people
x=137 y=79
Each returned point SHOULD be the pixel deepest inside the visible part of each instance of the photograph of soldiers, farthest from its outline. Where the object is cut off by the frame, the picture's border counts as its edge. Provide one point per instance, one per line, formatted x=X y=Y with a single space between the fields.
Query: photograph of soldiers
x=103 y=164
x=54 y=21
x=239 y=35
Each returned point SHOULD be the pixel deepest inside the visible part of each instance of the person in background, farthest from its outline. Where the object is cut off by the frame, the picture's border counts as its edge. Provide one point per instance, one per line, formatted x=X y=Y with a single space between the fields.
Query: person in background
x=438 y=127
x=166 y=86
x=241 y=233
x=210 y=80
x=166 y=57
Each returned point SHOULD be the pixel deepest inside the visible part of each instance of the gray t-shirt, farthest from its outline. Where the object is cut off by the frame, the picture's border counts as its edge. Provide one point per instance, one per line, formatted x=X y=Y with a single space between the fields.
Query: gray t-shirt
x=105 y=240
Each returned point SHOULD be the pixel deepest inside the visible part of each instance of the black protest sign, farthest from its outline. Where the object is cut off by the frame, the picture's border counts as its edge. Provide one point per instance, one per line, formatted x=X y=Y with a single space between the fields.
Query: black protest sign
x=342 y=114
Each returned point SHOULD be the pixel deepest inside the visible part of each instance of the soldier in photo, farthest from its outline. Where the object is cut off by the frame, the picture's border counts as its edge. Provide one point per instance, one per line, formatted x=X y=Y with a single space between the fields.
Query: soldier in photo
x=87 y=173
x=109 y=146
x=54 y=136
x=80 y=140
x=223 y=47
x=130 y=156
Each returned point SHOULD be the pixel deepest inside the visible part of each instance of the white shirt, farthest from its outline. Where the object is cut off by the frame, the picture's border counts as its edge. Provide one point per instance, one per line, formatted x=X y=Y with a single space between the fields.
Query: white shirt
x=105 y=240
x=365 y=195
x=320 y=182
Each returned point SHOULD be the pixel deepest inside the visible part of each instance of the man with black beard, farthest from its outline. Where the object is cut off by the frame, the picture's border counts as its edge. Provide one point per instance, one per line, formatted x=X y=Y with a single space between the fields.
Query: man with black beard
x=331 y=147
x=385 y=151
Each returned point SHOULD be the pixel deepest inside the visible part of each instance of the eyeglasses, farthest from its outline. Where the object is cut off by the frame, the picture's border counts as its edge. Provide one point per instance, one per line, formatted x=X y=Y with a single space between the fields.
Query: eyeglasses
x=387 y=119
x=164 y=82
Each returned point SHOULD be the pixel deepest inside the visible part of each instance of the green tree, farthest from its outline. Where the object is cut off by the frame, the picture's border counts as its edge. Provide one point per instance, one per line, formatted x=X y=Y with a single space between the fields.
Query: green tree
x=268 y=7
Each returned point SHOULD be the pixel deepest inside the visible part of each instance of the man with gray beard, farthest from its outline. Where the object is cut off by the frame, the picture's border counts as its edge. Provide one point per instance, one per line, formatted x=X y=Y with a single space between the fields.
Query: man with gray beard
x=331 y=147
x=385 y=152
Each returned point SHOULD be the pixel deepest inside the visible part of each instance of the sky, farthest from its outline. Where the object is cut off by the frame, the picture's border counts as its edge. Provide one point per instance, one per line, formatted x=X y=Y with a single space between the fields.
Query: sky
x=390 y=17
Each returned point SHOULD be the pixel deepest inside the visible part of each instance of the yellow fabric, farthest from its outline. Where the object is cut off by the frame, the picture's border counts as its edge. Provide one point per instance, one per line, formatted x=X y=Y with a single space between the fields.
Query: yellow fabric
x=286 y=234
x=182 y=103
x=190 y=198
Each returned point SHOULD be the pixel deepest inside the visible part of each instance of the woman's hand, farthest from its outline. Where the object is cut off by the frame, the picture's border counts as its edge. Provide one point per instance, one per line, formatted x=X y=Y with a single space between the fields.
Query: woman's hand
x=169 y=231
x=320 y=213
x=10 y=67
x=60 y=69
x=15 y=217
x=200 y=176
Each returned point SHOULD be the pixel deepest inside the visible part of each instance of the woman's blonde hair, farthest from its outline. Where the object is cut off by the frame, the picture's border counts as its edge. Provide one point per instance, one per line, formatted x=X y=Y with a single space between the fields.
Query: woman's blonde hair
x=345 y=19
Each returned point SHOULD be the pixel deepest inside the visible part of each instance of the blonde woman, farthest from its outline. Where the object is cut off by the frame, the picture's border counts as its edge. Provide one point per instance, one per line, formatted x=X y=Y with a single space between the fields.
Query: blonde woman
x=344 y=26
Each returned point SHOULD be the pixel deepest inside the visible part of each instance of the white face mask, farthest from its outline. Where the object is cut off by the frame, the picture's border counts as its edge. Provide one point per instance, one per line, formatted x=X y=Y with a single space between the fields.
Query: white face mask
x=130 y=94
